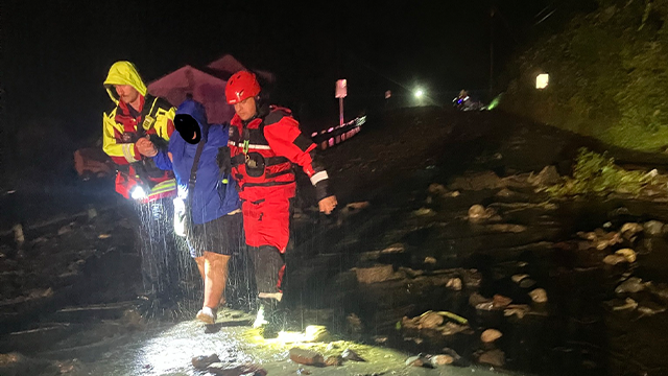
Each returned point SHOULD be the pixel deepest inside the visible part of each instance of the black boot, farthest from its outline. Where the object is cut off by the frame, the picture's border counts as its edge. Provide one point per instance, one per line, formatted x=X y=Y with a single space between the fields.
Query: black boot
x=268 y=264
x=272 y=318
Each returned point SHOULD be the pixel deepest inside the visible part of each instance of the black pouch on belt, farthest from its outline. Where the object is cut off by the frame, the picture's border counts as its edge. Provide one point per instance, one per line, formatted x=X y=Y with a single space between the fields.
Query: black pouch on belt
x=255 y=165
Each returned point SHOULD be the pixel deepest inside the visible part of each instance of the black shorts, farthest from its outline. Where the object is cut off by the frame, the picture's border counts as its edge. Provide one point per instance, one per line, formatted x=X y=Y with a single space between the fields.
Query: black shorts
x=223 y=235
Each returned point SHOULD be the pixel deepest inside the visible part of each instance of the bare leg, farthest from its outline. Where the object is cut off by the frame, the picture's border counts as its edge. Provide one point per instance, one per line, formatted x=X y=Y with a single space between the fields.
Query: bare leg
x=215 y=279
x=200 y=266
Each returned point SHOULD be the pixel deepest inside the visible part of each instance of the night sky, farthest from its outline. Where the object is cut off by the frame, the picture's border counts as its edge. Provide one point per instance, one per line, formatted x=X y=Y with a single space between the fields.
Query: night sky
x=55 y=54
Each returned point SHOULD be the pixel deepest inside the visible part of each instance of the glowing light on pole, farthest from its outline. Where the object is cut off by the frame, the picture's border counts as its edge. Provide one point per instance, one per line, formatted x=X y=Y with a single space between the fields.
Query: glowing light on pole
x=542 y=80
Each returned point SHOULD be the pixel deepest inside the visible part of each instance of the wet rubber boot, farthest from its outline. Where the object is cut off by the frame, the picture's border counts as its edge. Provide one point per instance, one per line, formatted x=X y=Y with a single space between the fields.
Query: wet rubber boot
x=268 y=264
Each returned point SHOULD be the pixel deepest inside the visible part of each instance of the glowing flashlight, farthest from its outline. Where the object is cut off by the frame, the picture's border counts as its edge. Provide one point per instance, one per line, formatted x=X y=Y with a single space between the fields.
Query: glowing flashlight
x=137 y=193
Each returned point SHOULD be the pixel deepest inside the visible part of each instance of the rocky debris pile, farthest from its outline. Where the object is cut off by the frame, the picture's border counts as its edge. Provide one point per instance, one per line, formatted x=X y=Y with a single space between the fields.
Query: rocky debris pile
x=438 y=323
x=618 y=250
x=619 y=246
x=314 y=358
x=454 y=279
x=16 y=364
x=641 y=298
x=449 y=357
x=489 y=180
x=644 y=185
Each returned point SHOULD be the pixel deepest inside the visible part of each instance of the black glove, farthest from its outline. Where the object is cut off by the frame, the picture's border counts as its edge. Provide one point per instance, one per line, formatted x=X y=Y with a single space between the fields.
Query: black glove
x=160 y=143
x=224 y=160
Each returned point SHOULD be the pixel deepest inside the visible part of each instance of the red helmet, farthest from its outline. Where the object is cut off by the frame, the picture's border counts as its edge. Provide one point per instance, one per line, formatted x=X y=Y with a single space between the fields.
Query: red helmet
x=240 y=86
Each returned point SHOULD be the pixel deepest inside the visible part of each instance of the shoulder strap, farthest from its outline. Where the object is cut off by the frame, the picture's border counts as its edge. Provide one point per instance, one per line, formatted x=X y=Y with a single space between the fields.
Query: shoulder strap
x=148 y=113
x=193 y=171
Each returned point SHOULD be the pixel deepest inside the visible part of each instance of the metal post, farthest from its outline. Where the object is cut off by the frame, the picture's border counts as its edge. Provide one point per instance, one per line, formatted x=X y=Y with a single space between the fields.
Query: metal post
x=341 y=111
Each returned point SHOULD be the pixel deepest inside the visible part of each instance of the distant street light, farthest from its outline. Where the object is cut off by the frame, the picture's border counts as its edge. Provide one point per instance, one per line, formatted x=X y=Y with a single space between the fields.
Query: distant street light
x=542 y=80
x=419 y=93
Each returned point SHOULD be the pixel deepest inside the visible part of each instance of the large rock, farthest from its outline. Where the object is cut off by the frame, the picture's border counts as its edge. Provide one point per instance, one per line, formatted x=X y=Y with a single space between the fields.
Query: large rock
x=500 y=301
x=623 y=305
x=517 y=278
x=495 y=358
x=547 y=176
x=334 y=361
x=306 y=357
x=72 y=366
x=430 y=320
x=441 y=360
x=614 y=259
x=490 y=335
x=630 y=229
x=454 y=284
x=424 y=212
x=527 y=283
x=202 y=362
x=352 y=356
x=394 y=248
x=478 y=213
x=631 y=285
x=419 y=361
x=437 y=189
x=519 y=310
x=375 y=274
x=628 y=253
x=477 y=181
x=653 y=228
x=538 y=296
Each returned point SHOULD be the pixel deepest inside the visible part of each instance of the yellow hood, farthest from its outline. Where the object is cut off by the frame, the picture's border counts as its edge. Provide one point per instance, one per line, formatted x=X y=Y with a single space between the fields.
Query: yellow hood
x=123 y=73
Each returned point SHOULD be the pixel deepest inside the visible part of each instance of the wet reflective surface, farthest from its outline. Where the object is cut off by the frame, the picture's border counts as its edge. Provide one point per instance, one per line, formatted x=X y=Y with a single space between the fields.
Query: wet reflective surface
x=169 y=350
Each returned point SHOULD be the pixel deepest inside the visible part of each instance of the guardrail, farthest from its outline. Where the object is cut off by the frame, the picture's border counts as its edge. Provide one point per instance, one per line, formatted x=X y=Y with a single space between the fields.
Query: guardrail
x=330 y=137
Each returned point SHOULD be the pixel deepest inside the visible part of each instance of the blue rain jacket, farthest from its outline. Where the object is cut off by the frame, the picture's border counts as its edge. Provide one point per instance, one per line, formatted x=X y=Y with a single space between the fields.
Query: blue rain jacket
x=214 y=195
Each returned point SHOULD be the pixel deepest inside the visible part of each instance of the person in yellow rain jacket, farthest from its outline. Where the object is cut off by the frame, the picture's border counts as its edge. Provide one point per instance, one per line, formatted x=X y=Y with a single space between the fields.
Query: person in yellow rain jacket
x=135 y=132
x=137 y=129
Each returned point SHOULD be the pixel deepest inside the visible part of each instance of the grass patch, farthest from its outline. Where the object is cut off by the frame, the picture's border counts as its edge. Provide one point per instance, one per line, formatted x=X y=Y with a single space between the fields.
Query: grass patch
x=597 y=174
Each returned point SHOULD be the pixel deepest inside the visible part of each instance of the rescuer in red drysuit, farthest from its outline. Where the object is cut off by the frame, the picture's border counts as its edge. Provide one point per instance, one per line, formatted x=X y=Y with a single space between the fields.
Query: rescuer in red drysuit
x=264 y=143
